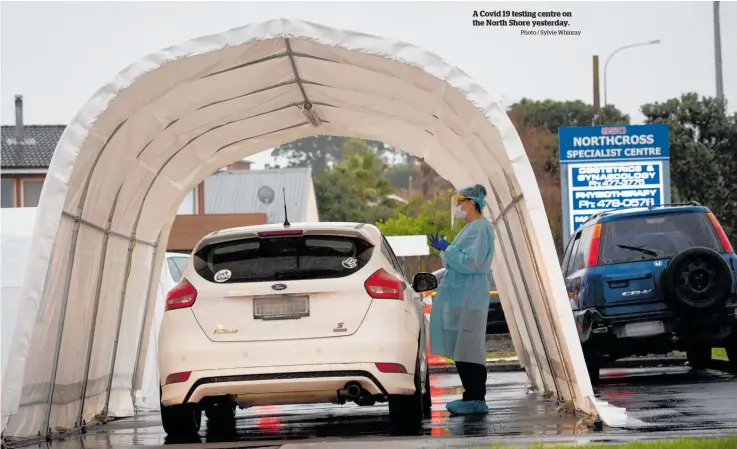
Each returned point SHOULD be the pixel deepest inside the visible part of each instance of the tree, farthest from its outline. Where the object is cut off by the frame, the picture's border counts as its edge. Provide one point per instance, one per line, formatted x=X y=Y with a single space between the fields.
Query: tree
x=551 y=114
x=356 y=188
x=337 y=200
x=433 y=216
x=319 y=152
x=703 y=149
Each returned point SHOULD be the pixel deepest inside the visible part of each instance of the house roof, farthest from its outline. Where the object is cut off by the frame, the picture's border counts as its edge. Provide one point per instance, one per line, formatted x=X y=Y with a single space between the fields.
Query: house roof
x=237 y=192
x=37 y=149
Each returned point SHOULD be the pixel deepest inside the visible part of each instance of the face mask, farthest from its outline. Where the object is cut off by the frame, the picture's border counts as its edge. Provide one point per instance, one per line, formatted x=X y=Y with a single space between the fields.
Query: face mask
x=459 y=213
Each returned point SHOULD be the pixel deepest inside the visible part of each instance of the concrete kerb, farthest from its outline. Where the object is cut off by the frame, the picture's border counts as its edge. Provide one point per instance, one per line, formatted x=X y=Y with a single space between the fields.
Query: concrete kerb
x=493 y=366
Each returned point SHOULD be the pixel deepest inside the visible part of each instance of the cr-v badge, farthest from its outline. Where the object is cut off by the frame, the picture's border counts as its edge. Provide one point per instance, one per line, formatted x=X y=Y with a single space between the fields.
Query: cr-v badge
x=278 y=287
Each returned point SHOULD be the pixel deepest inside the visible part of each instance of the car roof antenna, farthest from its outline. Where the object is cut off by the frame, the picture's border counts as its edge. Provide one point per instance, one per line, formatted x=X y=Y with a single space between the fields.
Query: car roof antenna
x=286 y=217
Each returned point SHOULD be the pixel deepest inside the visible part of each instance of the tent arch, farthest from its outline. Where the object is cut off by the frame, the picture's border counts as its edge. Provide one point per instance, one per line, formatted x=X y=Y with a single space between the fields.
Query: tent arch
x=166 y=122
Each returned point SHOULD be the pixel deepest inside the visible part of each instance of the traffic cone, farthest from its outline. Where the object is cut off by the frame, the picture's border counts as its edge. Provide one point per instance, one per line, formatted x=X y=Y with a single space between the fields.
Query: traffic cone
x=432 y=360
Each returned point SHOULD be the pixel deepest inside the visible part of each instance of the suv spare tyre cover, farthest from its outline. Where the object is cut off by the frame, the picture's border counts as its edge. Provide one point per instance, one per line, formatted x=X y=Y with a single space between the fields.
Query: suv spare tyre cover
x=697 y=278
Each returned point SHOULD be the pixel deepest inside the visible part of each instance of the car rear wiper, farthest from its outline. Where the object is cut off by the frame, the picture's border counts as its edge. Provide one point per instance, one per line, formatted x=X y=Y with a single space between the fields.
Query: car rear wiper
x=640 y=249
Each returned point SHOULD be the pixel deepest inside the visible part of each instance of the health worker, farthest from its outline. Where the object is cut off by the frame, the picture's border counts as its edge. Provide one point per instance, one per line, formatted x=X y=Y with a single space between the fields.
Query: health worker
x=460 y=308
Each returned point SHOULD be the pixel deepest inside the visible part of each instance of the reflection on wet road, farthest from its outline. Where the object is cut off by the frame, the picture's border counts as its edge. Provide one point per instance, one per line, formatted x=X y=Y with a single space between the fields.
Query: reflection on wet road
x=674 y=399
x=664 y=399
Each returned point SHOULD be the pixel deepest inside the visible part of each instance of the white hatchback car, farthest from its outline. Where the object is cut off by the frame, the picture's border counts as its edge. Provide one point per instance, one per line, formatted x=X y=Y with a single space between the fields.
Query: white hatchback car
x=309 y=313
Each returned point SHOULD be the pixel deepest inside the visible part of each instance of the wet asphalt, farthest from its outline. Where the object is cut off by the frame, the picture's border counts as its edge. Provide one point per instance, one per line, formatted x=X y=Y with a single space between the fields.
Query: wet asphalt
x=663 y=402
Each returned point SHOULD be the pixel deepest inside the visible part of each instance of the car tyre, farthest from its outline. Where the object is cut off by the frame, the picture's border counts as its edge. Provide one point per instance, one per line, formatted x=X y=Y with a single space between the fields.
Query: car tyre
x=594 y=369
x=221 y=418
x=426 y=396
x=181 y=420
x=406 y=412
x=731 y=347
x=698 y=357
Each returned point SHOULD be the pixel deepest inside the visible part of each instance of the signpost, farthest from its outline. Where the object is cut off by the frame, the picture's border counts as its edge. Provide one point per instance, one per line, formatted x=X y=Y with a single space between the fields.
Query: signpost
x=611 y=167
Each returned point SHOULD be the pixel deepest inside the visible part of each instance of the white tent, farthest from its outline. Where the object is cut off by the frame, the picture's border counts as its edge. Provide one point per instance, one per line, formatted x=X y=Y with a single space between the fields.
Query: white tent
x=166 y=122
x=17 y=229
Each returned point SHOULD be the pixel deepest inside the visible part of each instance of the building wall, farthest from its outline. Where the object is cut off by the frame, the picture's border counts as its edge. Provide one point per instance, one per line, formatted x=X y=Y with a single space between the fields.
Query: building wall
x=25 y=190
x=187 y=230
x=312 y=211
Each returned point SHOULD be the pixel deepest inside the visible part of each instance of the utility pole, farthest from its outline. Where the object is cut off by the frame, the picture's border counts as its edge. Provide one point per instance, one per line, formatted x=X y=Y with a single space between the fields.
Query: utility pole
x=718 y=53
x=596 y=120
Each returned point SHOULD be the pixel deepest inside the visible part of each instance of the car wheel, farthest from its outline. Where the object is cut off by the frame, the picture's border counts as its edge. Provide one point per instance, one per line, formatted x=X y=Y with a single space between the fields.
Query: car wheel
x=593 y=365
x=698 y=357
x=221 y=417
x=406 y=411
x=426 y=396
x=697 y=279
x=594 y=369
x=731 y=347
x=181 y=420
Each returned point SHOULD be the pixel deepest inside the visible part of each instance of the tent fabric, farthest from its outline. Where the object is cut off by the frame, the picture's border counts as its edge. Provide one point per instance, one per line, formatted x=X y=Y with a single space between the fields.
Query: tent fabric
x=162 y=125
x=17 y=229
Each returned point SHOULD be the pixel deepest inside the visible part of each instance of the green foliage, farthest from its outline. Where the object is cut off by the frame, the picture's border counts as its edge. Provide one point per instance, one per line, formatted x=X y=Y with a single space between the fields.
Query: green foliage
x=319 y=152
x=423 y=218
x=398 y=176
x=703 y=147
x=551 y=114
x=355 y=189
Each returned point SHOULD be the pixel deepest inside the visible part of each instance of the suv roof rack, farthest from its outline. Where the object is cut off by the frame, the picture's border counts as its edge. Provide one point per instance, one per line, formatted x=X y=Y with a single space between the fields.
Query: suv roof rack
x=690 y=203
x=600 y=214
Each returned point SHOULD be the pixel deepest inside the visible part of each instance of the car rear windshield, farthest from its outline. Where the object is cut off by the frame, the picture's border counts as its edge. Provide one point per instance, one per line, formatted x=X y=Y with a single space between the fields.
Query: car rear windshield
x=656 y=237
x=282 y=258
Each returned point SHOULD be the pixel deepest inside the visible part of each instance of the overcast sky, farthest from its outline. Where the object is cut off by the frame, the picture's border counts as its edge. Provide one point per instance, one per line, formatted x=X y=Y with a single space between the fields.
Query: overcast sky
x=58 y=54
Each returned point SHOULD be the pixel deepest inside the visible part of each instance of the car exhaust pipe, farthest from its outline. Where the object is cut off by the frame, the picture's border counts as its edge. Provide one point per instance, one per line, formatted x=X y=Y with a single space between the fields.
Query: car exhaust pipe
x=351 y=390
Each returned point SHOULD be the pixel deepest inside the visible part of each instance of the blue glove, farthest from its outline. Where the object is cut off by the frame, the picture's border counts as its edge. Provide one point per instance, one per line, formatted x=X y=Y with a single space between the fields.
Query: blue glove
x=439 y=243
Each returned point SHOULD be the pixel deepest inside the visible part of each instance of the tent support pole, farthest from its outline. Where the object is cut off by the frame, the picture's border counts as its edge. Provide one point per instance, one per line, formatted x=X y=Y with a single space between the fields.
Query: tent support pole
x=96 y=307
x=107 y=230
x=528 y=294
x=123 y=295
x=62 y=319
x=538 y=278
x=143 y=323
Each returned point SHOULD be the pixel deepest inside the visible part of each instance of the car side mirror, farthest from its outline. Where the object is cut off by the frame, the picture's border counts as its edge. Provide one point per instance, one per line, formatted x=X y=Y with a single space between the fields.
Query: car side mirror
x=424 y=282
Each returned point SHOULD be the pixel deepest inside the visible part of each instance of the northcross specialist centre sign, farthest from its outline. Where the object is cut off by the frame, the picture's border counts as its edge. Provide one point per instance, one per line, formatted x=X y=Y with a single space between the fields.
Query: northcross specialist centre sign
x=612 y=167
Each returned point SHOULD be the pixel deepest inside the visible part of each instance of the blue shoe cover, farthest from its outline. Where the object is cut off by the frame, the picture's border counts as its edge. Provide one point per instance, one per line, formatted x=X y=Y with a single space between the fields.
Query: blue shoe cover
x=453 y=405
x=470 y=408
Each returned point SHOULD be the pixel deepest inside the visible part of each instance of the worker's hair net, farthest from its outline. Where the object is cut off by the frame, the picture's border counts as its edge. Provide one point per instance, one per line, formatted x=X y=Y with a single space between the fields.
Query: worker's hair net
x=477 y=193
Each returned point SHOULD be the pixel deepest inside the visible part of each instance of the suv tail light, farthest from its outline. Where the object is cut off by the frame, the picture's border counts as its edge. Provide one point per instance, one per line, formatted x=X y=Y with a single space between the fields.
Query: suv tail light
x=181 y=296
x=720 y=232
x=593 y=259
x=382 y=285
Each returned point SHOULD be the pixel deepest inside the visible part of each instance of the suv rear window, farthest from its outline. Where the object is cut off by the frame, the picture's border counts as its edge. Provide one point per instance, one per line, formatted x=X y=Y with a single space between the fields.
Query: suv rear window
x=656 y=237
x=283 y=258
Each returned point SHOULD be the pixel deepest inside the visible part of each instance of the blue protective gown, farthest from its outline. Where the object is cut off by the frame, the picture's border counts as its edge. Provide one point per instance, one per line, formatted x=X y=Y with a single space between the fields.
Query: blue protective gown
x=460 y=308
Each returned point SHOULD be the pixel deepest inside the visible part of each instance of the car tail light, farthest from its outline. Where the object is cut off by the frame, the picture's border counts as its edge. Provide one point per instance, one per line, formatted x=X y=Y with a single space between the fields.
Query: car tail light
x=182 y=295
x=176 y=378
x=281 y=233
x=391 y=368
x=720 y=232
x=382 y=285
x=593 y=259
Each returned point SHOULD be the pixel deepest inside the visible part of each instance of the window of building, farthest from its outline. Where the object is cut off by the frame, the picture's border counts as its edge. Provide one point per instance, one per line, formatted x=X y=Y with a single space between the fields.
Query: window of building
x=31 y=192
x=7 y=189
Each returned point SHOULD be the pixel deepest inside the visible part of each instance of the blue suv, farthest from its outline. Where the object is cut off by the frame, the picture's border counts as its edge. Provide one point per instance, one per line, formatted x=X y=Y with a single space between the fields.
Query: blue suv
x=650 y=281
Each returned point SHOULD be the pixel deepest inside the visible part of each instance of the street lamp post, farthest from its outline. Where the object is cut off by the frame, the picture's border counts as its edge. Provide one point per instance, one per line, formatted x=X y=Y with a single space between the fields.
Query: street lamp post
x=606 y=64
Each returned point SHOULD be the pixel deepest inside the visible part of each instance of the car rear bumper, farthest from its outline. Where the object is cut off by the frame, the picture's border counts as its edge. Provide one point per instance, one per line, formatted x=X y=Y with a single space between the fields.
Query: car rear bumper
x=286 y=385
x=607 y=332
x=309 y=369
